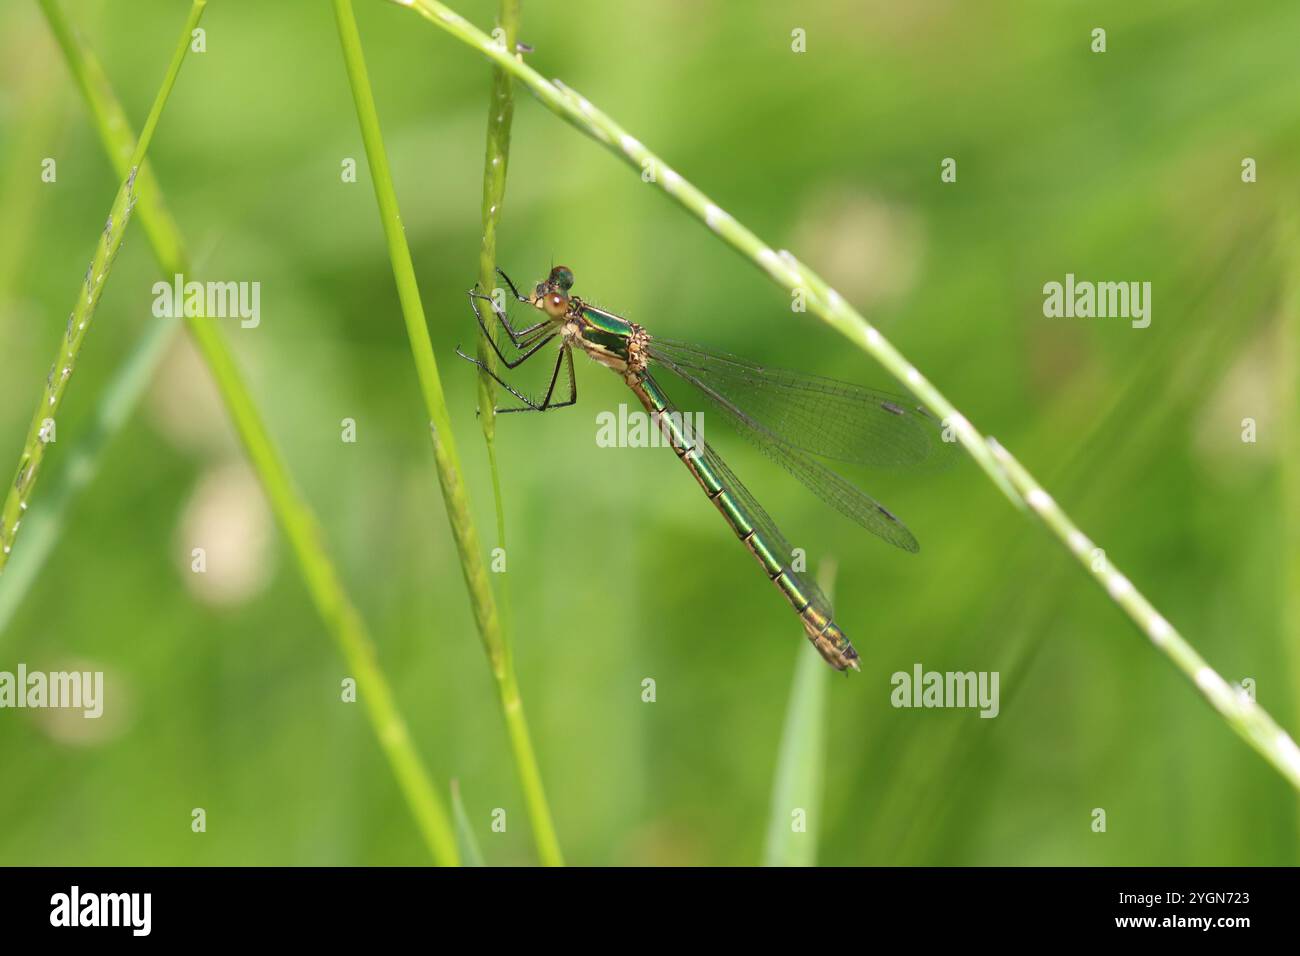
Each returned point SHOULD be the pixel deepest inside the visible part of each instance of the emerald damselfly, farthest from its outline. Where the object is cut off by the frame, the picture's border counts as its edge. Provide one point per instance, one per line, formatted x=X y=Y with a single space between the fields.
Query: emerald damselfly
x=791 y=417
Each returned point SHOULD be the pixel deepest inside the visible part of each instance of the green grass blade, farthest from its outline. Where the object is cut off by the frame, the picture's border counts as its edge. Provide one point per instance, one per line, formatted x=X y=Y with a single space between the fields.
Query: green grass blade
x=795 y=819
x=501 y=109
x=470 y=854
x=447 y=461
x=294 y=514
x=84 y=307
x=43 y=525
x=112 y=124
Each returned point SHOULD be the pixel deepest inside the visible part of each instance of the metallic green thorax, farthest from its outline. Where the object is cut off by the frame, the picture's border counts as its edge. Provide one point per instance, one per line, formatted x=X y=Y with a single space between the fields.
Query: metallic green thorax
x=605 y=333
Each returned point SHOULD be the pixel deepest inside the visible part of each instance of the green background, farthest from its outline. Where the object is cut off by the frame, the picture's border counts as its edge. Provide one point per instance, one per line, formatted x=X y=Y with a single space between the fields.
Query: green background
x=1117 y=166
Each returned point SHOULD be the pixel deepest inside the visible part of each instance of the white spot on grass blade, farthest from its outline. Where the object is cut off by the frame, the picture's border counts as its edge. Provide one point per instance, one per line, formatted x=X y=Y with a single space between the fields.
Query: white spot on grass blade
x=1079 y=542
x=1159 y=630
x=1290 y=752
x=1038 y=499
x=713 y=216
x=1212 y=684
x=631 y=146
x=913 y=376
x=1118 y=586
x=873 y=337
x=773 y=264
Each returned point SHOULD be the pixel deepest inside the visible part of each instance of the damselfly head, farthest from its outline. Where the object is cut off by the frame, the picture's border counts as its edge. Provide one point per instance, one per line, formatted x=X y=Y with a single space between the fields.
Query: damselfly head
x=552 y=294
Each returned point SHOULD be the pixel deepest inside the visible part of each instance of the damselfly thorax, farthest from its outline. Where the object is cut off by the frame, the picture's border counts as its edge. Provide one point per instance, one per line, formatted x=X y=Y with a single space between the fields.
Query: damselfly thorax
x=792 y=418
x=609 y=339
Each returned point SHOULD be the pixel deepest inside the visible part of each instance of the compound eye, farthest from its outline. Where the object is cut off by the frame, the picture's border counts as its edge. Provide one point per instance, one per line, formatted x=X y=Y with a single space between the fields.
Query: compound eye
x=555 y=305
x=562 y=278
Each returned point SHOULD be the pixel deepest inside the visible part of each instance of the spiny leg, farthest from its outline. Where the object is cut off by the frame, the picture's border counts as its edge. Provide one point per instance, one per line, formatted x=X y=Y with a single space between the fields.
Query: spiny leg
x=566 y=355
x=499 y=380
x=502 y=274
x=515 y=334
x=530 y=349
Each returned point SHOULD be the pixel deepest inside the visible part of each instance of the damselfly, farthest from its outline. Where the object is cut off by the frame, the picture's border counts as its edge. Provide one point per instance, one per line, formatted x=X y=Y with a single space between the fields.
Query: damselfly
x=789 y=416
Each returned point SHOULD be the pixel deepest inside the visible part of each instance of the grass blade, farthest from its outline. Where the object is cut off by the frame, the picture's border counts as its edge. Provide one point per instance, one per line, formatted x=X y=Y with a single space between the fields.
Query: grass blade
x=446 y=459
x=81 y=462
x=83 y=309
x=470 y=854
x=501 y=108
x=294 y=514
x=795 y=819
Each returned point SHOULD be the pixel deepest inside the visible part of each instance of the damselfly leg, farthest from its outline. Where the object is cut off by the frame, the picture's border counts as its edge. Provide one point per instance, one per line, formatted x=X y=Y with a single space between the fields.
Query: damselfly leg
x=528 y=342
x=506 y=279
x=518 y=337
x=565 y=357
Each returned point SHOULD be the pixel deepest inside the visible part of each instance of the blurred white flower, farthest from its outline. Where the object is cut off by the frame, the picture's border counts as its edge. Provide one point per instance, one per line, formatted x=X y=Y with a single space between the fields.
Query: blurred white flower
x=227 y=522
x=1247 y=391
x=868 y=249
x=70 y=725
x=184 y=406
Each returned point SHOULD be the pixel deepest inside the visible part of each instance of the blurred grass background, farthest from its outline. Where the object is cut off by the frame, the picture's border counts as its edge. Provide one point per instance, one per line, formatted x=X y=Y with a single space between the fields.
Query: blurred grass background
x=223 y=689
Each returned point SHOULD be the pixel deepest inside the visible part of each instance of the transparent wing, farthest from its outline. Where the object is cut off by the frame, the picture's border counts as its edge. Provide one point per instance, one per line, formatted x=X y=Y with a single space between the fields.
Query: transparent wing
x=819 y=416
x=832 y=488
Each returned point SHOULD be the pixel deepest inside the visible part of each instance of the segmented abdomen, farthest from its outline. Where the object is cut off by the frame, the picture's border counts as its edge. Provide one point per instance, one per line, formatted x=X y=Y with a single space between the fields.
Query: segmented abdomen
x=822 y=631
